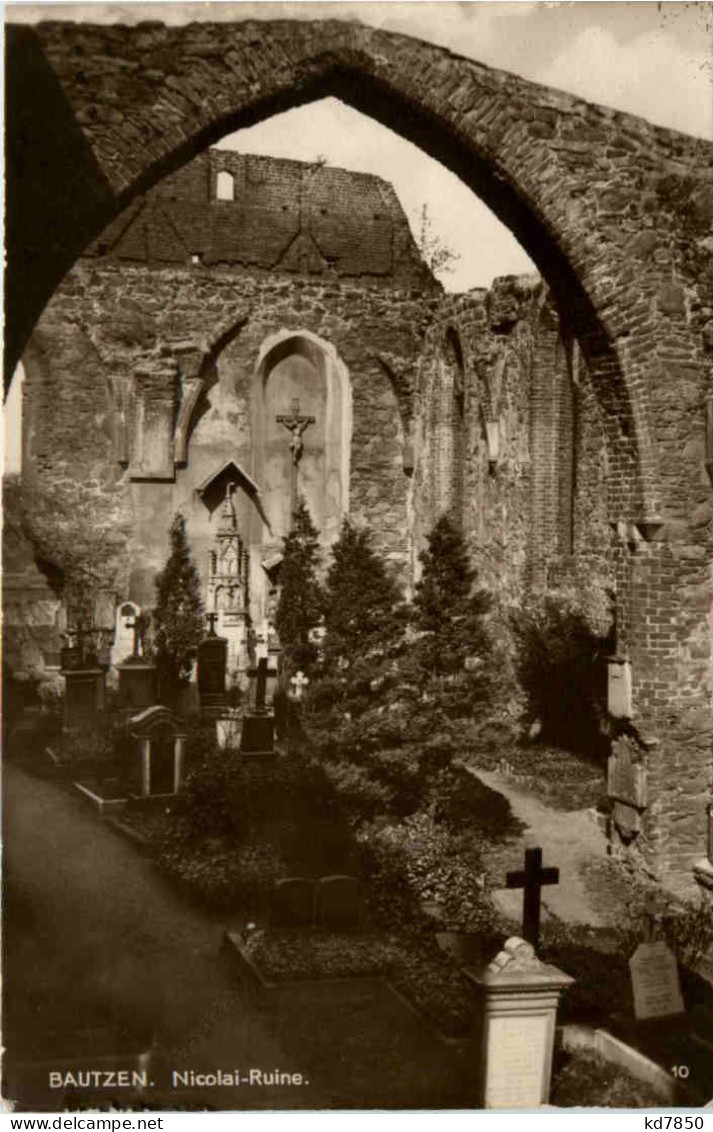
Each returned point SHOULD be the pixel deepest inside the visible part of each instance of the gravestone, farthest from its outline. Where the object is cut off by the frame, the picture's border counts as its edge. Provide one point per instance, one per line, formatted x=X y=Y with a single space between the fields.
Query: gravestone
x=258 y=734
x=292 y=904
x=626 y=780
x=137 y=675
x=338 y=903
x=126 y=616
x=619 y=688
x=84 y=697
x=627 y=787
x=655 y=983
x=159 y=738
x=514 y=1027
x=212 y=669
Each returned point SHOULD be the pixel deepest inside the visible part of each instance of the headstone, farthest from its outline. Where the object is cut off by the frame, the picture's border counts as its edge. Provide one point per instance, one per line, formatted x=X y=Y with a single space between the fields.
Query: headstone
x=212 y=670
x=531 y=880
x=292 y=903
x=159 y=738
x=338 y=903
x=137 y=683
x=514 y=1027
x=626 y=780
x=124 y=633
x=84 y=697
x=710 y=832
x=258 y=734
x=654 y=980
x=627 y=820
x=227 y=731
x=619 y=688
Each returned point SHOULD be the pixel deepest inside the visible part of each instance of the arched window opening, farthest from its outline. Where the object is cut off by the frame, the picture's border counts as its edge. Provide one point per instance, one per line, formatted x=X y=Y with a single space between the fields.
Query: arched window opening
x=225 y=186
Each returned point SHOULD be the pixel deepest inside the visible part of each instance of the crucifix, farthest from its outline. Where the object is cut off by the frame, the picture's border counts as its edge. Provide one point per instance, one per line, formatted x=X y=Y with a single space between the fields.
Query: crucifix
x=211 y=618
x=296 y=424
x=261 y=672
x=532 y=879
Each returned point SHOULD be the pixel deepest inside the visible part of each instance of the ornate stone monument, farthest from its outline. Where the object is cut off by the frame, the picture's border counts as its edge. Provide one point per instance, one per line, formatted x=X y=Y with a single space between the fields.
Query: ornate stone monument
x=228 y=583
x=514 y=1027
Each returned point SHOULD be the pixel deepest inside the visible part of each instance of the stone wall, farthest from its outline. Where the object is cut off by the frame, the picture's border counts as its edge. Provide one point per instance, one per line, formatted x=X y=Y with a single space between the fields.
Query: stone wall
x=531 y=493
x=110 y=322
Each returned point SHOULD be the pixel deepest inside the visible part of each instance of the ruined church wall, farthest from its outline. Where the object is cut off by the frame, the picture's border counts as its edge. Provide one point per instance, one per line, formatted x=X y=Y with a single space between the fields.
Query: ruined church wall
x=532 y=502
x=106 y=321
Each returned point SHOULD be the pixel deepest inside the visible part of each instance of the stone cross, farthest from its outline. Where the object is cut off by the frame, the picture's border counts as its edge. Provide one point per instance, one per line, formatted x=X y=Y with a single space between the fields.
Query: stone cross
x=296 y=424
x=532 y=879
x=211 y=618
x=261 y=672
x=299 y=684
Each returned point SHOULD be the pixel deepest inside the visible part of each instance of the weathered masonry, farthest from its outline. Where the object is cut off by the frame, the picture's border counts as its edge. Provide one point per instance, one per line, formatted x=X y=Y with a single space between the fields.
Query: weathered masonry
x=615 y=212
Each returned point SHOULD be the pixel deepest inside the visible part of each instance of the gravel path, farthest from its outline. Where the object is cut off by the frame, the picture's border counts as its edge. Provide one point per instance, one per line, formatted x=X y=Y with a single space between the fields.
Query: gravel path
x=569 y=840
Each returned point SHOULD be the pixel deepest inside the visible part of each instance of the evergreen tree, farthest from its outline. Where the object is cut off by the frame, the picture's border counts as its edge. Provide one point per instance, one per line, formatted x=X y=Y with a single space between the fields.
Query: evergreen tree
x=179 y=620
x=448 y=611
x=299 y=608
x=362 y=601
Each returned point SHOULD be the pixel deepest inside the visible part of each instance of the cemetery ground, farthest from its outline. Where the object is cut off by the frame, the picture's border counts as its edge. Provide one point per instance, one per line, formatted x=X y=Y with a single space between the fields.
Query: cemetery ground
x=161 y=976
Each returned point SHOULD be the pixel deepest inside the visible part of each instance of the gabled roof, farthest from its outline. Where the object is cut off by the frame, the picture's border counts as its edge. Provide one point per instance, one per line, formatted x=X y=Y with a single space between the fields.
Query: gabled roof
x=228 y=468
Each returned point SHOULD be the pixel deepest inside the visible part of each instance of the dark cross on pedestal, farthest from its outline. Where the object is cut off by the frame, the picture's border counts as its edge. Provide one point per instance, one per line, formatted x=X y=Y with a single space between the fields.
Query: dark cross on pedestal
x=211 y=618
x=139 y=625
x=532 y=879
x=296 y=424
x=709 y=437
x=261 y=672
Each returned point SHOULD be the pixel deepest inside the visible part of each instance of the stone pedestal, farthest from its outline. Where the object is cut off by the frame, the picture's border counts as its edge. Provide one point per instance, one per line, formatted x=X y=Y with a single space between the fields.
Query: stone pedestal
x=212 y=668
x=514 y=1027
x=137 y=683
x=258 y=735
x=84 y=697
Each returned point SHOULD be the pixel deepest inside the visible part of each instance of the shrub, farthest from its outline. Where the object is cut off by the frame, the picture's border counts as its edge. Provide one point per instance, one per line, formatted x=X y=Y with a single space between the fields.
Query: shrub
x=361 y=602
x=178 y=615
x=560 y=666
x=299 y=609
x=686 y=925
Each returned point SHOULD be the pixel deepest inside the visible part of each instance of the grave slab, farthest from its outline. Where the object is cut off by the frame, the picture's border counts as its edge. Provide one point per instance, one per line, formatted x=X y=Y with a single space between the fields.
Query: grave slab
x=292 y=904
x=338 y=902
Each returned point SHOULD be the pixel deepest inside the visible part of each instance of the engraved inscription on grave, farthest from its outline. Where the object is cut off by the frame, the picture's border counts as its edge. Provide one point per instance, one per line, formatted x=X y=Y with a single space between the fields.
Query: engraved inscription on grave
x=654 y=979
x=517 y=1055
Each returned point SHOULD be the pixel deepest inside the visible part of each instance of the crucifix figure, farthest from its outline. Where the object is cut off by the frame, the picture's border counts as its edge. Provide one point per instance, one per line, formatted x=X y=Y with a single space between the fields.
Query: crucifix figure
x=296 y=424
x=532 y=879
x=261 y=672
x=211 y=618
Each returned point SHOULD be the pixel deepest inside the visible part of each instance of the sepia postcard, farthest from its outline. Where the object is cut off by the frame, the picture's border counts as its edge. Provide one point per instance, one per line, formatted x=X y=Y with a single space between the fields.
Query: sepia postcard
x=357 y=548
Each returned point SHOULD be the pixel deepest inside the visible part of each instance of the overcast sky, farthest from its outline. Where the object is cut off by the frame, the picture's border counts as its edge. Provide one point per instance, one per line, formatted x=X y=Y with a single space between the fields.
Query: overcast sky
x=651 y=59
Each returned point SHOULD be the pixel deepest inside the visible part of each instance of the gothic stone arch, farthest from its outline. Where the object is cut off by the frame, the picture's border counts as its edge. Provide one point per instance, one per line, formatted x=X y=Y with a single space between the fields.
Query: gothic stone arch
x=613 y=210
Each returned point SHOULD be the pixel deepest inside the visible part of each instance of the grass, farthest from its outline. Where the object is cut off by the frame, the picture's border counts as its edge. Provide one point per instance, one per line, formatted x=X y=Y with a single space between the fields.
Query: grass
x=562 y=779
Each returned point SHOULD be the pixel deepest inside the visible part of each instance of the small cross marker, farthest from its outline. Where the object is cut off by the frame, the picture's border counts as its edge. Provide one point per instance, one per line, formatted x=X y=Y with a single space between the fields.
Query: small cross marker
x=212 y=619
x=261 y=674
x=299 y=684
x=532 y=879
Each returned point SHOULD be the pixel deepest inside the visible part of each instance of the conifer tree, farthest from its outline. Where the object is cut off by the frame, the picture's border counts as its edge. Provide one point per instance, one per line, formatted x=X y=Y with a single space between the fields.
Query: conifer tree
x=299 y=608
x=178 y=617
x=449 y=611
x=362 y=602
